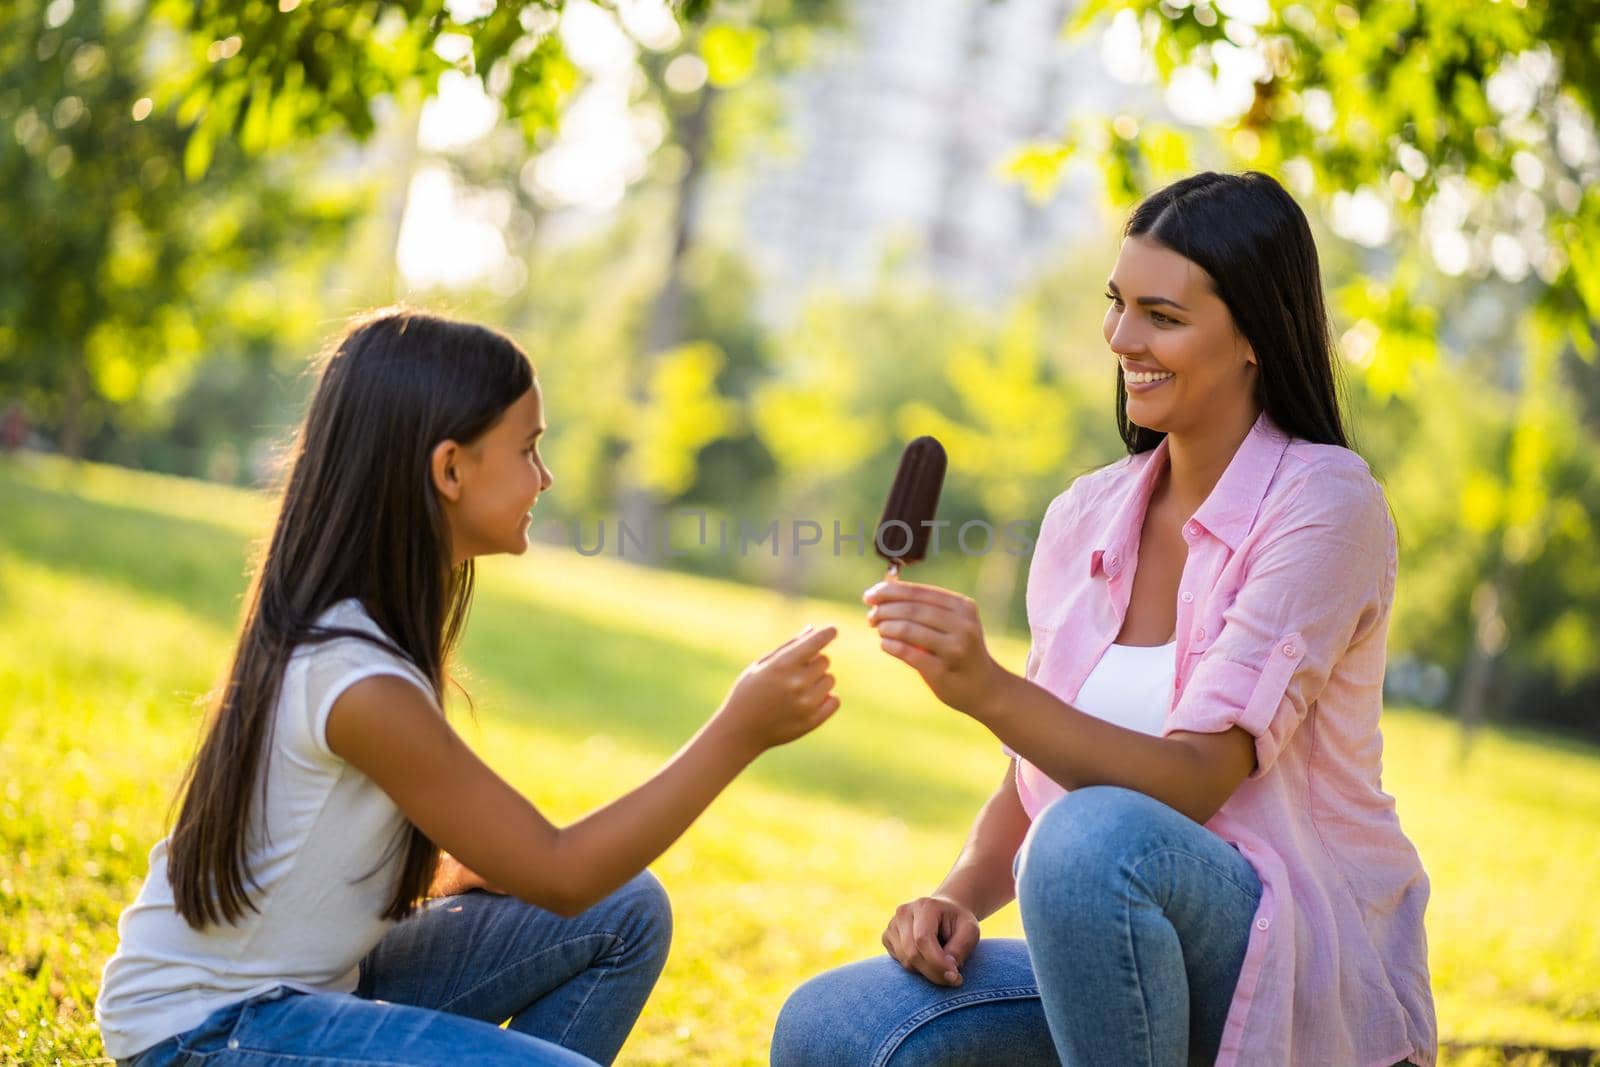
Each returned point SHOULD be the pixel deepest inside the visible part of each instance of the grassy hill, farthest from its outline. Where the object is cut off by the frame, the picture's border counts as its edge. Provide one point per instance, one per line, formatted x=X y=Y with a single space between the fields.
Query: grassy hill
x=118 y=593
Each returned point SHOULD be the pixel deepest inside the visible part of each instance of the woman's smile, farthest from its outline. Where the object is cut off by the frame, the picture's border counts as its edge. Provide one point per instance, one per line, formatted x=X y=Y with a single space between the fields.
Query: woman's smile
x=1145 y=381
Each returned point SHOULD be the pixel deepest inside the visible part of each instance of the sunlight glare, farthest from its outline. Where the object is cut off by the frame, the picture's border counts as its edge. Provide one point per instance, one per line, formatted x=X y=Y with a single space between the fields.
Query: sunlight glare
x=445 y=241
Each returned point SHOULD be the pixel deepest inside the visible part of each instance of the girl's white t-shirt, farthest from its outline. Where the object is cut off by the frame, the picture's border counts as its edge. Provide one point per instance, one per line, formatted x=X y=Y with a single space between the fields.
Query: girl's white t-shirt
x=324 y=852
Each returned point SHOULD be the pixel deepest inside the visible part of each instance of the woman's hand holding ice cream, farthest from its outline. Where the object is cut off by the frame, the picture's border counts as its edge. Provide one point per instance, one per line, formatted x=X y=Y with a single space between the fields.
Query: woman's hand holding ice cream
x=939 y=633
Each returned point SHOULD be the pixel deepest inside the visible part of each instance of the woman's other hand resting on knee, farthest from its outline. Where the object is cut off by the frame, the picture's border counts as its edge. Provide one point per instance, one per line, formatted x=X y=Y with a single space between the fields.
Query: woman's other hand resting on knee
x=934 y=935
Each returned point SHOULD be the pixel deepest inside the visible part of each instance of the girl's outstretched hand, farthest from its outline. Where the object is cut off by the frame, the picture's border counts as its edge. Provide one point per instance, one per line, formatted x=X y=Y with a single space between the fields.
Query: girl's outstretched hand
x=783 y=695
x=938 y=632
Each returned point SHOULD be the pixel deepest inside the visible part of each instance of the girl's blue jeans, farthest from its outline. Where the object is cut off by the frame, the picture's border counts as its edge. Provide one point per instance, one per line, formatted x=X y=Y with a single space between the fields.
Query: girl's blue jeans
x=1136 y=919
x=439 y=984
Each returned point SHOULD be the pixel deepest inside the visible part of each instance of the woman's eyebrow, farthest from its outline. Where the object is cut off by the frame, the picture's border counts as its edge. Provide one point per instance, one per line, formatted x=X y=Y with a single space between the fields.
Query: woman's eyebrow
x=1148 y=301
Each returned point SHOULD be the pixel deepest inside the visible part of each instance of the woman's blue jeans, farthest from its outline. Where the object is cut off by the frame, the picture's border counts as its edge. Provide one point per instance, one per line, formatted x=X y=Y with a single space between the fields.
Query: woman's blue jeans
x=439 y=984
x=1136 y=919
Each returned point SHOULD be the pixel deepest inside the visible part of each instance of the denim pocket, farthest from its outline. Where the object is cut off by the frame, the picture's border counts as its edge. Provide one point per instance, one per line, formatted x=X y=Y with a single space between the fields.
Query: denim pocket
x=165 y=1054
x=218 y=1031
x=195 y=1045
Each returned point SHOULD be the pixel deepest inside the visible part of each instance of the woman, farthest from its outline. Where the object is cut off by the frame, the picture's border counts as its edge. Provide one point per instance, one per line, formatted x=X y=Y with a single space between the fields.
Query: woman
x=1206 y=864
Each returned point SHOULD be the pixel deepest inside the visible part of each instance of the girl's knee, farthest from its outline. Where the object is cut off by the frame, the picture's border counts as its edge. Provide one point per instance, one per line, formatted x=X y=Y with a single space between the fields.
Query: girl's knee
x=649 y=911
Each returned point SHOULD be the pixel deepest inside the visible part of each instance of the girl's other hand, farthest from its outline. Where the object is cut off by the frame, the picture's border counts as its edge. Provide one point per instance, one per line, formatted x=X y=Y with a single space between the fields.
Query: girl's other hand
x=783 y=695
x=452 y=877
x=939 y=633
x=932 y=936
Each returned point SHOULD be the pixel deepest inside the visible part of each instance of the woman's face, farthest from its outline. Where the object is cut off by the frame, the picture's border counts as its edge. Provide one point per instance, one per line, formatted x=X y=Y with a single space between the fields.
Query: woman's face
x=1183 y=362
x=498 y=478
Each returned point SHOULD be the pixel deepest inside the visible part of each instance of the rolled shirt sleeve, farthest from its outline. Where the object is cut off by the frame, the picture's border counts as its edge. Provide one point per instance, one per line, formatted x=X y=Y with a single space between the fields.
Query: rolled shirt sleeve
x=1319 y=580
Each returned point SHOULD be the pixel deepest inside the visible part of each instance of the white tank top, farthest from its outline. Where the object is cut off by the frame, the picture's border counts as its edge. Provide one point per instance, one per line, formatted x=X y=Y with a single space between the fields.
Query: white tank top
x=1131 y=686
x=325 y=872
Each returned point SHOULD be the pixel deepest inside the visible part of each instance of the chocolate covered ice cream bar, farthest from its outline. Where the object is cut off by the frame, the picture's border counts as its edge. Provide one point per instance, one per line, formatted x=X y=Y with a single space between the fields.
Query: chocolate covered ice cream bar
x=903 y=532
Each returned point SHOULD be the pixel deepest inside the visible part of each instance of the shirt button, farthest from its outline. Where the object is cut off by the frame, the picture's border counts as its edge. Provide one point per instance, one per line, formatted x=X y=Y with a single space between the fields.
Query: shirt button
x=233 y=1043
x=1262 y=924
x=1191 y=530
x=1200 y=634
x=1187 y=597
x=1290 y=650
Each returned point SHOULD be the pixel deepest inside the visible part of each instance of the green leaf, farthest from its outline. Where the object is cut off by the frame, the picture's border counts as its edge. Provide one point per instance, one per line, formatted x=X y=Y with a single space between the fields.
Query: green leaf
x=197 y=152
x=1039 y=167
x=731 y=53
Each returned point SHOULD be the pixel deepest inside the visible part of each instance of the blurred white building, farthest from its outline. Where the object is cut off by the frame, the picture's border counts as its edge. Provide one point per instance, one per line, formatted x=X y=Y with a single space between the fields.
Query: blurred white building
x=899 y=134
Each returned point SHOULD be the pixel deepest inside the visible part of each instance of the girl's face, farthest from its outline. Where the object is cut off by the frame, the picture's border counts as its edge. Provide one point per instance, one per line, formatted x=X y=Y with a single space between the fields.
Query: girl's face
x=489 y=487
x=1184 y=363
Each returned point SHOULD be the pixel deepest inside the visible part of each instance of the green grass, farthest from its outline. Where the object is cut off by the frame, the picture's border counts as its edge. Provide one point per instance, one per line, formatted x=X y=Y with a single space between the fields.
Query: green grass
x=118 y=593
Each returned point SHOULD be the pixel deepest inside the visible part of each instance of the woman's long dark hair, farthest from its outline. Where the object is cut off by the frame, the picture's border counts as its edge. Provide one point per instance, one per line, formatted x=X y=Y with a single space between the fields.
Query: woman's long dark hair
x=1250 y=236
x=358 y=518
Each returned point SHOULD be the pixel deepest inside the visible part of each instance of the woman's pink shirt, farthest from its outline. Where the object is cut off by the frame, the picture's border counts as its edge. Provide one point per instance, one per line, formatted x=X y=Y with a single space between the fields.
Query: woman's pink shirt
x=1283 y=611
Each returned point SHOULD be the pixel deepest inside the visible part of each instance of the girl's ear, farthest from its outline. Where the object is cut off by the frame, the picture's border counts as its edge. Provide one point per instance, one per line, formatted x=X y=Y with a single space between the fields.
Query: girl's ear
x=443 y=464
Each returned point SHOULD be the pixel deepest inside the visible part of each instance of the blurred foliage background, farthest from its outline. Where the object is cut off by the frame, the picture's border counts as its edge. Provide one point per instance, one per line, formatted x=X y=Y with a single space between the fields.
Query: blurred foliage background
x=194 y=194
x=197 y=192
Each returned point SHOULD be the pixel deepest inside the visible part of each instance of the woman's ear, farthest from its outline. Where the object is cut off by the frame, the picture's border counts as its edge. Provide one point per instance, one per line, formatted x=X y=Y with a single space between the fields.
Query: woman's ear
x=443 y=464
x=1242 y=345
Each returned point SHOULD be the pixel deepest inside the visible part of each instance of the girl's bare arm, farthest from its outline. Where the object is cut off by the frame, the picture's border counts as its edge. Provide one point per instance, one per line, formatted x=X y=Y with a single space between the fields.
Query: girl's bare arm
x=391 y=732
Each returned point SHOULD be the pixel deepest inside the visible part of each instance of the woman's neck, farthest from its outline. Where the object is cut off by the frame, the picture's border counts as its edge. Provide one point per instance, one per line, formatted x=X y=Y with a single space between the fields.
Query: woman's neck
x=1196 y=461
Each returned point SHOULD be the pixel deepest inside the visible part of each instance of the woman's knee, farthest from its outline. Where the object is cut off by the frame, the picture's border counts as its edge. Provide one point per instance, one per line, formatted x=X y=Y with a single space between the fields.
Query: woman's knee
x=836 y=1017
x=1086 y=842
x=875 y=1013
x=798 y=1036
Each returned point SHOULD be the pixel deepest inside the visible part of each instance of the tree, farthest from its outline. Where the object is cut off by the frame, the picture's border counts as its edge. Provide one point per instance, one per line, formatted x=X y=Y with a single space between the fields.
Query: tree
x=271 y=76
x=121 y=274
x=722 y=58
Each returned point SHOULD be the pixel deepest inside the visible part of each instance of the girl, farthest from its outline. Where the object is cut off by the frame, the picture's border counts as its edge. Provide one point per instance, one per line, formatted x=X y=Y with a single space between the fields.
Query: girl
x=280 y=922
x=1206 y=864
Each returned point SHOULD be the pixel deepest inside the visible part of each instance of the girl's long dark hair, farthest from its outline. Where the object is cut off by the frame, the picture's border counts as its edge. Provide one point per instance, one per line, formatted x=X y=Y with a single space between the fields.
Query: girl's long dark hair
x=358 y=518
x=1250 y=236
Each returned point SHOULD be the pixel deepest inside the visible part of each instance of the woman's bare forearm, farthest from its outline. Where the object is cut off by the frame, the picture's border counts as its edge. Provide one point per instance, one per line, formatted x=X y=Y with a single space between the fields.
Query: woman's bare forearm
x=981 y=879
x=1190 y=772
